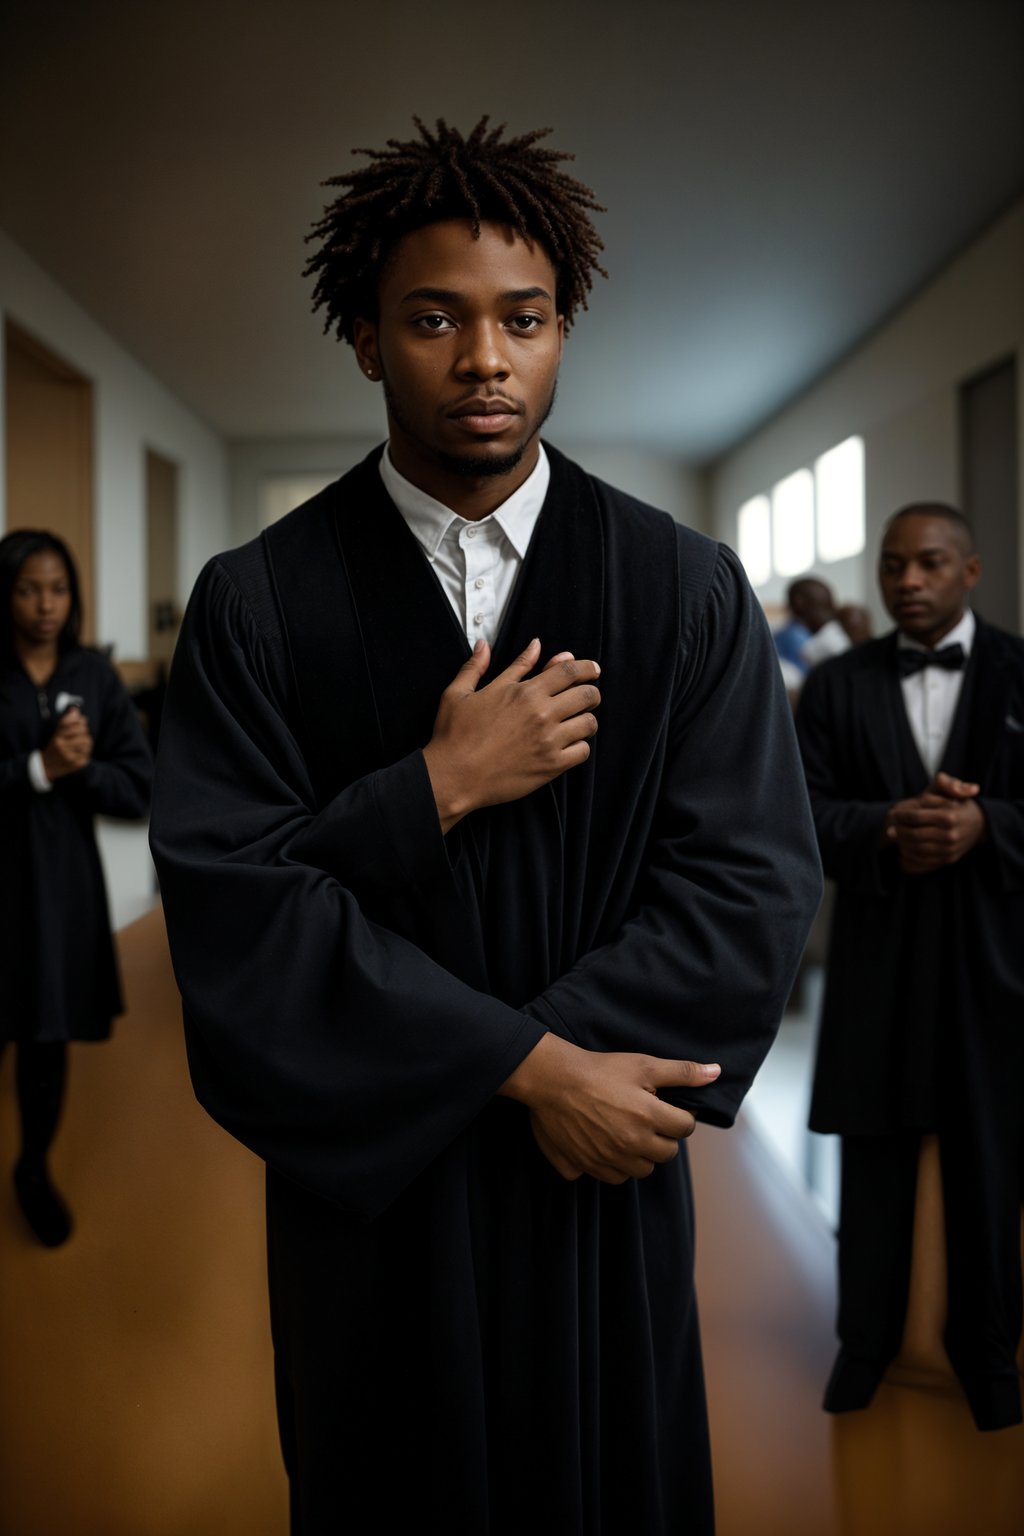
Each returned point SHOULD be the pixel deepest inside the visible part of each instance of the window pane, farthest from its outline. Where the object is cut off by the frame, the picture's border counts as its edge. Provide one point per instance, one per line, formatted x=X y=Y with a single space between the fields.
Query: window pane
x=793 y=524
x=839 y=477
x=755 y=545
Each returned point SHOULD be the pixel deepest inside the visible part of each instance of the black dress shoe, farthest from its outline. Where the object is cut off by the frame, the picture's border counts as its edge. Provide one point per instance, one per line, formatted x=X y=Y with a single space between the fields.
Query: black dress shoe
x=853 y=1383
x=41 y=1206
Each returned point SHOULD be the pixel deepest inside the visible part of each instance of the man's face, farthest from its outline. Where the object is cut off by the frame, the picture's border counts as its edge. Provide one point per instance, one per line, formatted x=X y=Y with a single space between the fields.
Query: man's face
x=925 y=574
x=467 y=343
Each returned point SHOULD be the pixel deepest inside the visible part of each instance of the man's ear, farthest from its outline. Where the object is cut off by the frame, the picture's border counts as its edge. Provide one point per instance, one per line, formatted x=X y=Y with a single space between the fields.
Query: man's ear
x=364 y=340
x=972 y=572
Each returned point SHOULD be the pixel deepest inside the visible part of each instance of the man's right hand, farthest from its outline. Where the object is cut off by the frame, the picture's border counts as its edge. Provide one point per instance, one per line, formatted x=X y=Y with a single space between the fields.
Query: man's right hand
x=69 y=748
x=499 y=743
x=599 y=1112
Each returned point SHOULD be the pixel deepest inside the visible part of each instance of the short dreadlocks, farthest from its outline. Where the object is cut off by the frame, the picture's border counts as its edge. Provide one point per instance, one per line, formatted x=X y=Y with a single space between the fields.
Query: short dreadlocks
x=441 y=175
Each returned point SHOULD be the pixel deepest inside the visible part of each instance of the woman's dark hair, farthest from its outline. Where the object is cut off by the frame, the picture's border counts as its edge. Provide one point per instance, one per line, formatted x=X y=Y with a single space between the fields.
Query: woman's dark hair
x=15 y=549
x=442 y=175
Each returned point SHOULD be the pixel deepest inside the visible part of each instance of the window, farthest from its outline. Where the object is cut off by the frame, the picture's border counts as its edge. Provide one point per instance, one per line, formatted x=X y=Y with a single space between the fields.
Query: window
x=793 y=524
x=812 y=517
x=839 y=490
x=755 y=539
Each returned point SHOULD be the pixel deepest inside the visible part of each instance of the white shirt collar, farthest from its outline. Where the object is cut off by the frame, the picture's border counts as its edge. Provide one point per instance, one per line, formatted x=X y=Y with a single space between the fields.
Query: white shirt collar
x=960 y=634
x=429 y=520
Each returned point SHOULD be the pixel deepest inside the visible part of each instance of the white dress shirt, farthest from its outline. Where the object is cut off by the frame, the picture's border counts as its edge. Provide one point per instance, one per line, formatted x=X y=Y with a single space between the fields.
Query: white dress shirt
x=476 y=563
x=930 y=696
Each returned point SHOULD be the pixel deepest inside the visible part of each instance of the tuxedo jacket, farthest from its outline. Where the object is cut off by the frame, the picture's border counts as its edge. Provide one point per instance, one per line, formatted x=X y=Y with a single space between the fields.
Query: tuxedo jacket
x=924 y=998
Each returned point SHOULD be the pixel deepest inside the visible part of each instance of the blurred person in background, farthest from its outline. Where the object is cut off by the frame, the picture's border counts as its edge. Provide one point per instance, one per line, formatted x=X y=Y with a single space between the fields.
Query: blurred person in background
x=70 y=747
x=856 y=621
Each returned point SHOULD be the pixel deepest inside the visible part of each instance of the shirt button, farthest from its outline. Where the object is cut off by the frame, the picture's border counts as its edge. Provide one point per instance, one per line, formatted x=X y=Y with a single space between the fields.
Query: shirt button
x=478 y=583
x=470 y=533
x=478 y=618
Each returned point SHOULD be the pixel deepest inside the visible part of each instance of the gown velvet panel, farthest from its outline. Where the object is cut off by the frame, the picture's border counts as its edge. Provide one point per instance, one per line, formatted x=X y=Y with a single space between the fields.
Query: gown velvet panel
x=925 y=988
x=60 y=972
x=357 y=987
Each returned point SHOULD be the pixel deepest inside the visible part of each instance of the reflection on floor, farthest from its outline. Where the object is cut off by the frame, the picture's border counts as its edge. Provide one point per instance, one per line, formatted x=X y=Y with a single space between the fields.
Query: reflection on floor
x=135 y=1368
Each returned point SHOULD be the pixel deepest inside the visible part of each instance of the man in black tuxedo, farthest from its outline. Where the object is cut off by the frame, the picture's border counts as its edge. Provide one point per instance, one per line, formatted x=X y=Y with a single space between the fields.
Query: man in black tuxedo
x=913 y=746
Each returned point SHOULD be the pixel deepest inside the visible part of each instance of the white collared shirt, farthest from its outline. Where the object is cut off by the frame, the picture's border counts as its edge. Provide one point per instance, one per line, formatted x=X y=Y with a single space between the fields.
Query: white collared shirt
x=476 y=563
x=931 y=695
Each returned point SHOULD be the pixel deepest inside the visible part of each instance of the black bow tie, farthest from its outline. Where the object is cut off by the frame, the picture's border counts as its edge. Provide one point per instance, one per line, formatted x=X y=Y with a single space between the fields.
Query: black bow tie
x=910 y=661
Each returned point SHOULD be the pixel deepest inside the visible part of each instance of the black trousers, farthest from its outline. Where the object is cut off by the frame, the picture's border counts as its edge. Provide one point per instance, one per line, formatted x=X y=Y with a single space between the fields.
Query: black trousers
x=982 y=1189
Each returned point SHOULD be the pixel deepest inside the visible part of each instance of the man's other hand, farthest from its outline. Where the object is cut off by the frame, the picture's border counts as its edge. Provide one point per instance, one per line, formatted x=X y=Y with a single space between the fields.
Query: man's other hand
x=599 y=1112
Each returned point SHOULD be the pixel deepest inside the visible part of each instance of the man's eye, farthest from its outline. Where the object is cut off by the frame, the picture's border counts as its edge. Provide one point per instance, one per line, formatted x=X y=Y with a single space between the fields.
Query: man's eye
x=525 y=324
x=434 y=323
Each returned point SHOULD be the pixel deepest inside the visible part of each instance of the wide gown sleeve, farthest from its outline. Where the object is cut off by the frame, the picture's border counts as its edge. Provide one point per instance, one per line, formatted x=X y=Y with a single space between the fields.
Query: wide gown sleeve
x=702 y=968
x=1005 y=833
x=330 y=1045
x=14 y=780
x=849 y=828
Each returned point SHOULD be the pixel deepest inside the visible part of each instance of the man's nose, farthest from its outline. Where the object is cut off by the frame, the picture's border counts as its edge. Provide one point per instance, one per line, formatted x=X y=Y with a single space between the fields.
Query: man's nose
x=483 y=355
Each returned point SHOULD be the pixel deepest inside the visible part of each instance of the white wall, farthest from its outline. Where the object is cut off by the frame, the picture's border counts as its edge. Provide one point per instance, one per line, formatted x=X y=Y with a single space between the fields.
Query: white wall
x=899 y=390
x=653 y=477
x=133 y=412
x=251 y=464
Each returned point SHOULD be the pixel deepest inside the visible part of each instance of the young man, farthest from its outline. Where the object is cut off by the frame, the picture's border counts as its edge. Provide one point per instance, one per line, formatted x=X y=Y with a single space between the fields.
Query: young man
x=462 y=967
x=914 y=751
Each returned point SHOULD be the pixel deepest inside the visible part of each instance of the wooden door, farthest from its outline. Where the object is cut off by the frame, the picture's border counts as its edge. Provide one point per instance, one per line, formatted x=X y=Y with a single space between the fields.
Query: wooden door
x=161 y=555
x=48 y=429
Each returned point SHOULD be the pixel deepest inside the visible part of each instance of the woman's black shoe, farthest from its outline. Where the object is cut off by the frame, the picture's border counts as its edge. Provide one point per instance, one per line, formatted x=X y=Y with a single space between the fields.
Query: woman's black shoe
x=41 y=1206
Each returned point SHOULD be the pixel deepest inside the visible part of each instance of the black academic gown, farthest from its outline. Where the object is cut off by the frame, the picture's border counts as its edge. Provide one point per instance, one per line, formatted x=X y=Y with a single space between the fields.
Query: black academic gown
x=921 y=1028
x=464 y=1340
x=56 y=954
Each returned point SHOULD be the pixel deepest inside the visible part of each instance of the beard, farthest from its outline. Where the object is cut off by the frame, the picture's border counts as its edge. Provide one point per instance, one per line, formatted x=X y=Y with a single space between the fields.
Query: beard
x=468 y=465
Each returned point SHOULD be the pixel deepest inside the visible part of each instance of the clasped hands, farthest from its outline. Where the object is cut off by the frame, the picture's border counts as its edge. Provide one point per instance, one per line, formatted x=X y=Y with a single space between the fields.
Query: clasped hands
x=937 y=827
x=69 y=749
x=592 y=1112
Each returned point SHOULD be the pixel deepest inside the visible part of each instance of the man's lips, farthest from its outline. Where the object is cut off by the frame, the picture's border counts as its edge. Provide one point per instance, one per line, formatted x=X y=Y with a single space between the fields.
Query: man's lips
x=484 y=414
x=485 y=405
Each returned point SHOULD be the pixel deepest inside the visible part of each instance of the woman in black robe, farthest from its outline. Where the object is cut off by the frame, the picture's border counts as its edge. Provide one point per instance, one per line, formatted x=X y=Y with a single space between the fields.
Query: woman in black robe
x=70 y=747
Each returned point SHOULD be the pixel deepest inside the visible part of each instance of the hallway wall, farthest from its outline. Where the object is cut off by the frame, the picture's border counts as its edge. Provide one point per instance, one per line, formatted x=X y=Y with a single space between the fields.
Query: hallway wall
x=133 y=412
x=899 y=390
x=653 y=477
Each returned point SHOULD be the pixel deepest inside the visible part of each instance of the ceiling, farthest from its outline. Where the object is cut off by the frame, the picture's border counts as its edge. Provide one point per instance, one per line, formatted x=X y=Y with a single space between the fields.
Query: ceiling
x=780 y=176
